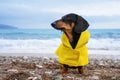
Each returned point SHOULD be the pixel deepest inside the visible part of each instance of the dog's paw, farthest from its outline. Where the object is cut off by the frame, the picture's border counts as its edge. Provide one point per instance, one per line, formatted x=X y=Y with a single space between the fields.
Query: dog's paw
x=63 y=69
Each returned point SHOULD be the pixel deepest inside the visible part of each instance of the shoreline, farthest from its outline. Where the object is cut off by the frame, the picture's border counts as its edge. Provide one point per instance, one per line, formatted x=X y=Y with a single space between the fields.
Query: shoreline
x=108 y=54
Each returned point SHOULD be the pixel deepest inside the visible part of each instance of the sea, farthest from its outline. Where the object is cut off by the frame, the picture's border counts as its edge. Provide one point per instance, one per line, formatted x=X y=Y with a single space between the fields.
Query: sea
x=47 y=40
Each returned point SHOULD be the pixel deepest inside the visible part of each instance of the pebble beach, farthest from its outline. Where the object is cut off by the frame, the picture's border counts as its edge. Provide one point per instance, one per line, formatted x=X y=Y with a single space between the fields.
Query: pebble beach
x=100 y=67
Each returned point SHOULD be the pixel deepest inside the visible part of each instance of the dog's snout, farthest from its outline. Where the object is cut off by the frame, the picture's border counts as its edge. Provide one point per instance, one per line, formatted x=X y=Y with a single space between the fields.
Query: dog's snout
x=57 y=25
x=53 y=24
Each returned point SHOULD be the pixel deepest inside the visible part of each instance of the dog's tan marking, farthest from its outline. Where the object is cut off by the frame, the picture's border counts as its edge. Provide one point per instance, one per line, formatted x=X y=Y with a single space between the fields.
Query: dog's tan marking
x=67 y=29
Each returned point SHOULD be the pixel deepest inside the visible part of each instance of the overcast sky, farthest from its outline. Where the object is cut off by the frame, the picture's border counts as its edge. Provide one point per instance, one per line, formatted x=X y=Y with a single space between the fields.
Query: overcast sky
x=40 y=13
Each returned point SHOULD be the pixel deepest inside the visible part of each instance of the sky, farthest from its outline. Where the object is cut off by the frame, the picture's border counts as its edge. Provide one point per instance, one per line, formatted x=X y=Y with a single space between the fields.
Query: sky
x=36 y=14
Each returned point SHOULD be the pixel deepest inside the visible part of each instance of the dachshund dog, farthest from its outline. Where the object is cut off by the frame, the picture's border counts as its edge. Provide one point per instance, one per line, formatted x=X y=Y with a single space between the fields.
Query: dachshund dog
x=74 y=29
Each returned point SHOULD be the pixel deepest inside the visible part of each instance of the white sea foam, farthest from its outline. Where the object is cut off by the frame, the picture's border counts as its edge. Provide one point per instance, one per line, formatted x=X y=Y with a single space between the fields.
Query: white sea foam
x=104 y=44
x=49 y=45
x=31 y=45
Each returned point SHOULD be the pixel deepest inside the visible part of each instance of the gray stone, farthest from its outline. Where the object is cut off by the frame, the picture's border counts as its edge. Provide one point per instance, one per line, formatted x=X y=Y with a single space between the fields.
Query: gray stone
x=95 y=77
x=13 y=70
x=35 y=78
x=39 y=66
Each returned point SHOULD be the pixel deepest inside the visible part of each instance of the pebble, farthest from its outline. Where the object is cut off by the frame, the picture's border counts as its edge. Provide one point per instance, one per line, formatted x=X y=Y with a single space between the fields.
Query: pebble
x=113 y=78
x=35 y=78
x=58 y=78
x=46 y=58
x=97 y=73
x=32 y=72
x=101 y=63
x=68 y=77
x=25 y=57
x=51 y=61
x=39 y=66
x=94 y=77
x=48 y=72
x=13 y=70
x=30 y=78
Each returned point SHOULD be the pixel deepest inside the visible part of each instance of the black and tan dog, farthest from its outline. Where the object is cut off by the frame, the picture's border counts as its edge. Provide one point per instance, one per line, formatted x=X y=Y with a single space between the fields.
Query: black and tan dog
x=72 y=53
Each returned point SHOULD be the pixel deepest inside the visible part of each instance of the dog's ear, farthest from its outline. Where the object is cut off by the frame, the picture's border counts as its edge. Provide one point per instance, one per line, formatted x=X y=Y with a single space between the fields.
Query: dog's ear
x=80 y=25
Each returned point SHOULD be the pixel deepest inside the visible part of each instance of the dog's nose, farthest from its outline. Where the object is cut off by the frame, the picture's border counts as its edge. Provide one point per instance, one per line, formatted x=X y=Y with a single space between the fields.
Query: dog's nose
x=53 y=24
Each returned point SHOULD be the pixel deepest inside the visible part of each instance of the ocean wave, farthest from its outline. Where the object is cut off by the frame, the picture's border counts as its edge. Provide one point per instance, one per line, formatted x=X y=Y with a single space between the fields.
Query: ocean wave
x=49 y=45
x=104 y=44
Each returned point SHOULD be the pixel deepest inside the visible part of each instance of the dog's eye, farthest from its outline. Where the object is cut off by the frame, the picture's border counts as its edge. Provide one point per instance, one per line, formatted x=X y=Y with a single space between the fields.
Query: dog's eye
x=63 y=20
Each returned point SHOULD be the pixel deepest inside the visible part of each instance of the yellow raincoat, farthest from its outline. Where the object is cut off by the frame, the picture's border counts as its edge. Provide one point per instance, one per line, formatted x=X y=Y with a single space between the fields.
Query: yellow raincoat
x=73 y=57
